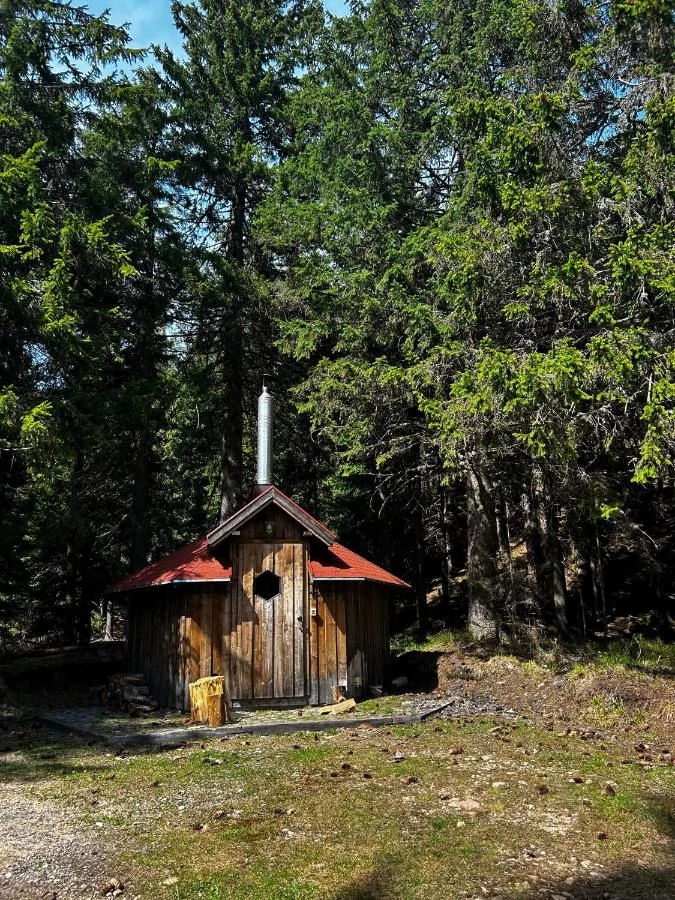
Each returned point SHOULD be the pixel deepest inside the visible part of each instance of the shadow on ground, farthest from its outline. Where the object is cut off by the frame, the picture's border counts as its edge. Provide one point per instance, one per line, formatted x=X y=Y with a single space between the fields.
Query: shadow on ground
x=636 y=882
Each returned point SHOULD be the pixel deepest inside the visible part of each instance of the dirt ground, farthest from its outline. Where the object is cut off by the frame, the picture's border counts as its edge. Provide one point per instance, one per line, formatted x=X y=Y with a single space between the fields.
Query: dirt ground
x=53 y=846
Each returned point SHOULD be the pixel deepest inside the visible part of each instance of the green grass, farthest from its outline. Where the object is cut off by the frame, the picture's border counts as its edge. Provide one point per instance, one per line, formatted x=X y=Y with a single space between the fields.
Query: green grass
x=637 y=652
x=443 y=641
x=333 y=816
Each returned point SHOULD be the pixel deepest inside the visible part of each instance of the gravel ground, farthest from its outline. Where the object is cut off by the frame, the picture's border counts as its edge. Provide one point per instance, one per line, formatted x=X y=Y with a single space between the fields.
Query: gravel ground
x=45 y=852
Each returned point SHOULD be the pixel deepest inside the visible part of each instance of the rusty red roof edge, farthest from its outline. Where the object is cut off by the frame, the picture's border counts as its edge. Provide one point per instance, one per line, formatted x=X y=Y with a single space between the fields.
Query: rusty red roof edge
x=196 y=562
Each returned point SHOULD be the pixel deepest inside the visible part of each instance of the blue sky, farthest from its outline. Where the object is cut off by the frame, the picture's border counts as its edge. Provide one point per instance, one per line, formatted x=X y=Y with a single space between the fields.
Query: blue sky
x=151 y=22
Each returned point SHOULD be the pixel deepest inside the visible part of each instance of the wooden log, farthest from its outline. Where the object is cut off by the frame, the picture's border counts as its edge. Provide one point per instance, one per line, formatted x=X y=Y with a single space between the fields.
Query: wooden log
x=209 y=701
x=337 y=708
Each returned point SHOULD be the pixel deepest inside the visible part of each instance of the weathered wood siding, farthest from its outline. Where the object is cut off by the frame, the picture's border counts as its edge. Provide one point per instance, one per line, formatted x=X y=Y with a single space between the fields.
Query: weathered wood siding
x=159 y=642
x=349 y=641
x=268 y=650
x=263 y=653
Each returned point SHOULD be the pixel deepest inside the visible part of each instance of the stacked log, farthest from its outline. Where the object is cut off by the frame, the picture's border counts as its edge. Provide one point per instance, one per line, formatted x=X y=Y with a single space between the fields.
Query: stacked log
x=209 y=701
x=129 y=693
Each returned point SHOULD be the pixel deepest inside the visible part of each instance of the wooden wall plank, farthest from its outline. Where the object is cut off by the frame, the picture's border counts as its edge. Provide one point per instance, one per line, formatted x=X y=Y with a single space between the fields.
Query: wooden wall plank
x=264 y=627
x=205 y=622
x=194 y=636
x=299 y=616
x=313 y=654
x=340 y=615
x=284 y=528
x=283 y=622
x=226 y=636
x=216 y=630
x=235 y=626
x=247 y=613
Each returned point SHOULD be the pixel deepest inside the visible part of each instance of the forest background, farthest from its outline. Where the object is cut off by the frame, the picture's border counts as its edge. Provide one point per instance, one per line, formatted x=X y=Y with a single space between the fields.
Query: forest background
x=445 y=230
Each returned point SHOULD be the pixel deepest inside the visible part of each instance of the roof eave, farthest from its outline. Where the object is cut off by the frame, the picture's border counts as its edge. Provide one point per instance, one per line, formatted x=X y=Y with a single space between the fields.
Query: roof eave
x=150 y=584
x=361 y=578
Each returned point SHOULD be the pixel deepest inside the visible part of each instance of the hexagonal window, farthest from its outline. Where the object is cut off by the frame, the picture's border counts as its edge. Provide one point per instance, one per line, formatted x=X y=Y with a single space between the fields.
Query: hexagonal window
x=267 y=585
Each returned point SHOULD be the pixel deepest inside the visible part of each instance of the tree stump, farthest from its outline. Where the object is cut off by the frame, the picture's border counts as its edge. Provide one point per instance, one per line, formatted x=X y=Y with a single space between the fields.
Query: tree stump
x=209 y=702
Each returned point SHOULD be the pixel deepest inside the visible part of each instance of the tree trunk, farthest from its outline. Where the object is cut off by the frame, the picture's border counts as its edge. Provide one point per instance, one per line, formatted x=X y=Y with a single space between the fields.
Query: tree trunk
x=599 y=582
x=483 y=543
x=84 y=600
x=138 y=555
x=446 y=551
x=231 y=487
x=550 y=568
x=144 y=436
x=559 y=586
x=420 y=585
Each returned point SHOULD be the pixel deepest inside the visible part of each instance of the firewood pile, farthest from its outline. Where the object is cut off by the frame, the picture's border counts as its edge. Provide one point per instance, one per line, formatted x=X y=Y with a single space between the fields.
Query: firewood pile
x=129 y=693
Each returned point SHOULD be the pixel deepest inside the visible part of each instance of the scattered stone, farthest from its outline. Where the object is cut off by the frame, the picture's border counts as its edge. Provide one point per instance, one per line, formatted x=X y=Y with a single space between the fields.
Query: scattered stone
x=610 y=788
x=398 y=757
x=112 y=886
x=455 y=803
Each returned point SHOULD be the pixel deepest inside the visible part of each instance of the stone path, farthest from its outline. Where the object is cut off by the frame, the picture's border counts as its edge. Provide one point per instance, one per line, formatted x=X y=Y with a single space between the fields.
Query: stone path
x=120 y=730
x=85 y=721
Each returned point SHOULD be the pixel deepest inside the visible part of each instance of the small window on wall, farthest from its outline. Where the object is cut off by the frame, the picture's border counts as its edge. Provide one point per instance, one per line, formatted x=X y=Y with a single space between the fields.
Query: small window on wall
x=267 y=585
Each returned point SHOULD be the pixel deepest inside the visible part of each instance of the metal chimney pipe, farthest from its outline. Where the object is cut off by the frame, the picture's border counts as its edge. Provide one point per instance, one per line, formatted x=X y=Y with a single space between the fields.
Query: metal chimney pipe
x=265 y=404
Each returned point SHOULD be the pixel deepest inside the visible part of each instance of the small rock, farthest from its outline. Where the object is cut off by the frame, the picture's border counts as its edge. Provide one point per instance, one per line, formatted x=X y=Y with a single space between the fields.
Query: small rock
x=170 y=881
x=543 y=789
x=610 y=788
x=466 y=805
x=398 y=757
x=602 y=835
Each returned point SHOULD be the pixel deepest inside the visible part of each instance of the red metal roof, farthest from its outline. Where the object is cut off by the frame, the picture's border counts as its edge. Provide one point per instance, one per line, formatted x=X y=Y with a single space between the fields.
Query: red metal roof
x=195 y=562
x=339 y=563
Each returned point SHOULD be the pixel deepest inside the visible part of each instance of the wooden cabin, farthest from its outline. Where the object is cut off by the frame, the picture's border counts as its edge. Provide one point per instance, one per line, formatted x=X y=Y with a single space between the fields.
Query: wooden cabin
x=270 y=600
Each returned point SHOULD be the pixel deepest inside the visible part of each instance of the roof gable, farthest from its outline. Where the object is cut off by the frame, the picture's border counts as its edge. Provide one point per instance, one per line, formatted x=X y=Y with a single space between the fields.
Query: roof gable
x=271 y=495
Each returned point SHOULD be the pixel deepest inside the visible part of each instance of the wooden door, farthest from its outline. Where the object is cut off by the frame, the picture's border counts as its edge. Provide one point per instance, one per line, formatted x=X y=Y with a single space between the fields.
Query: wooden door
x=278 y=597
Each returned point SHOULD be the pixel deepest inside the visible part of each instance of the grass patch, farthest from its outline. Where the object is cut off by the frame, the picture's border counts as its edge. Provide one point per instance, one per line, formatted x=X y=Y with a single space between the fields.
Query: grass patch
x=368 y=813
x=442 y=641
x=637 y=652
